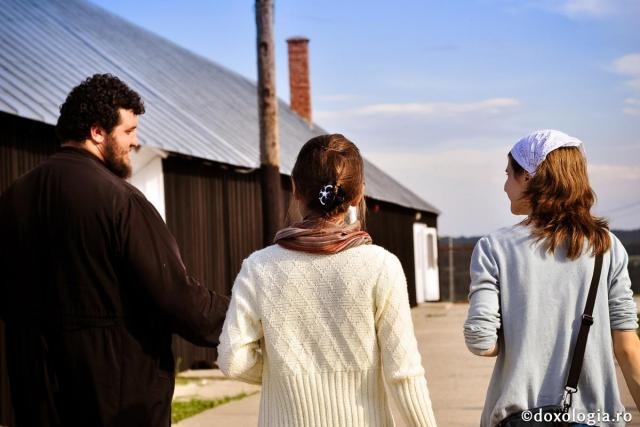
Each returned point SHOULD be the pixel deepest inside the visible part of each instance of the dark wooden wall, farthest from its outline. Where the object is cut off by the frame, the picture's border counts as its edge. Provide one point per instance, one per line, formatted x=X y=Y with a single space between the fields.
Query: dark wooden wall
x=215 y=214
x=391 y=227
x=23 y=144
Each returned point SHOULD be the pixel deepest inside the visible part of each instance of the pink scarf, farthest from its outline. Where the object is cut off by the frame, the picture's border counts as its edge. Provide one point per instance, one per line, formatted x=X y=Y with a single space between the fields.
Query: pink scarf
x=319 y=236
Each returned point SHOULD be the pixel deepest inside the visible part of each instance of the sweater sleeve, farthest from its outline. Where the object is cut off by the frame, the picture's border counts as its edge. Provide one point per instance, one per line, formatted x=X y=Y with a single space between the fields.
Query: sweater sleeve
x=401 y=362
x=623 y=313
x=483 y=320
x=239 y=354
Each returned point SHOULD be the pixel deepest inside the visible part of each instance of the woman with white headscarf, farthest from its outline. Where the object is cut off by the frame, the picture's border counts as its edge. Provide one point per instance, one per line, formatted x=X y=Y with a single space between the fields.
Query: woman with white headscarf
x=530 y=297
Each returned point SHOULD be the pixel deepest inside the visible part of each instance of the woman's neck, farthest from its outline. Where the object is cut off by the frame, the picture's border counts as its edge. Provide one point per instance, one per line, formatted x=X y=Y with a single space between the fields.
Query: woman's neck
x=338 y=219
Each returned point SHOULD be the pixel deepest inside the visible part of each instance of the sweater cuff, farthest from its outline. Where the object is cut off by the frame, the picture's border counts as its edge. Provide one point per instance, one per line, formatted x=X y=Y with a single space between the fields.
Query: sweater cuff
x=245 y=365
x=413 y=398
x=478 y=338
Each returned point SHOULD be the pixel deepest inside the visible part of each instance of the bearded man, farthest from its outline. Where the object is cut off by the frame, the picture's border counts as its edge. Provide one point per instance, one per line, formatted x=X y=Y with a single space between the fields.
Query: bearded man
x=92 y=284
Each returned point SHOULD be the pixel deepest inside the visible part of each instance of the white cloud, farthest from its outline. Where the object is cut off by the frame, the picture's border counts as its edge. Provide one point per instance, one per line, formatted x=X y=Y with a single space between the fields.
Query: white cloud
x=615 y=186
x=634 y=109
x=610 y=172
x=492 y=106
x=596 y=8
x=629 y=65
x=599 y=9
x=338 y=97
x=466 y=184
x=635 y=83
x=453 y=155
x=411 y=127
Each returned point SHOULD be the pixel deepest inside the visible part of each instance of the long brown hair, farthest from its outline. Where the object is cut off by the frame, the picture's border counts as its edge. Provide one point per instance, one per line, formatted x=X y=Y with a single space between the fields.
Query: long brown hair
x=330 y=160
x=560 y=199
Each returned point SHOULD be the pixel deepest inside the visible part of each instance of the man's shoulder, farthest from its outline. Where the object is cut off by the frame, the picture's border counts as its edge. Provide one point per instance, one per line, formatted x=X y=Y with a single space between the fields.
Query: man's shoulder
x=82 y=166
x=73 y=173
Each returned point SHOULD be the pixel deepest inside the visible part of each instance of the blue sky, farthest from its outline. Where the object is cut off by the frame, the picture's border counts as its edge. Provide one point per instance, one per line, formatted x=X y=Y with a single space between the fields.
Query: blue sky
x=435 y=93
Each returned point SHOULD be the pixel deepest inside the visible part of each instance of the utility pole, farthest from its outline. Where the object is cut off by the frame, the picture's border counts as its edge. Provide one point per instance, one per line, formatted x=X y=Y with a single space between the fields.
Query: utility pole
x=272 y=205
x=451 y=277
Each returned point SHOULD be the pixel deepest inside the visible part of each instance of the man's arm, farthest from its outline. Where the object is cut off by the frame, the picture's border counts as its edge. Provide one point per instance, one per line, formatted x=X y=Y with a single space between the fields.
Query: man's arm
x=154 y=266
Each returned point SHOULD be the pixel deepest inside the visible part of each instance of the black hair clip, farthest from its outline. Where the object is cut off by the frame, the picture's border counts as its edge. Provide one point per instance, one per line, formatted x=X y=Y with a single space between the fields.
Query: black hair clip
x=327 y=194
x=330 y=196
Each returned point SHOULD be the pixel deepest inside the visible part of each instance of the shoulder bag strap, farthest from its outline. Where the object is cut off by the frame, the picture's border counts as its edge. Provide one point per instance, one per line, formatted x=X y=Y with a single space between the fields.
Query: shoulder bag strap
x=581 y=343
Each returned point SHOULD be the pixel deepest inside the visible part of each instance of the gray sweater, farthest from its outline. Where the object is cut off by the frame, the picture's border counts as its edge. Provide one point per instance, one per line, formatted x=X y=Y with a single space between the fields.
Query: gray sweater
x=536 y=301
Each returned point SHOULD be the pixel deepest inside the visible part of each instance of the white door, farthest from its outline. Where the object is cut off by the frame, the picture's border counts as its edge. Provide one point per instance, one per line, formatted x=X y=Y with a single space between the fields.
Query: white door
x=419 y=255
x=432 y=288
x=425 y=250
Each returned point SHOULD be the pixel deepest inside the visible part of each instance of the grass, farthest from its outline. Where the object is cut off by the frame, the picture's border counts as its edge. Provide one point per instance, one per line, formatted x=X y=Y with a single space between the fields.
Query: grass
x=183 y=381
x=181 y=410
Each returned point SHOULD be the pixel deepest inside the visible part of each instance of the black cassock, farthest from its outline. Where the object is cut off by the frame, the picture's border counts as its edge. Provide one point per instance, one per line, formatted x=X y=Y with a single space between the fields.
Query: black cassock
x=92 y=286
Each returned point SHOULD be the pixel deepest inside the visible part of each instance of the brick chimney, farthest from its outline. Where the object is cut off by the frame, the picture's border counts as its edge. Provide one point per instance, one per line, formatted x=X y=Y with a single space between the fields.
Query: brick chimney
x=299 y=86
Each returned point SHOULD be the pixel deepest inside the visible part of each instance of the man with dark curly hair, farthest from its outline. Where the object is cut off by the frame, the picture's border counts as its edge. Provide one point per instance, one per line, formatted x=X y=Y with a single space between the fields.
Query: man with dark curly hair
x=93 y=285
x=105 y=100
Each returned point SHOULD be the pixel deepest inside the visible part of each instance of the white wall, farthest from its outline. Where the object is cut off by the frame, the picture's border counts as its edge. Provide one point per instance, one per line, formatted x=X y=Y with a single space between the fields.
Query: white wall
x=148 y=176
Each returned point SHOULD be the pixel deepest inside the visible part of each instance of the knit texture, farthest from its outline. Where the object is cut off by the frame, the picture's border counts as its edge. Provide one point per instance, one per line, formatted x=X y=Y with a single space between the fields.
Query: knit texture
x=320 y=332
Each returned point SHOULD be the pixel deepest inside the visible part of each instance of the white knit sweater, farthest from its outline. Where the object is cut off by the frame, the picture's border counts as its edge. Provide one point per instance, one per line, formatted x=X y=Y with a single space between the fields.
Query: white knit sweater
x=318 y=332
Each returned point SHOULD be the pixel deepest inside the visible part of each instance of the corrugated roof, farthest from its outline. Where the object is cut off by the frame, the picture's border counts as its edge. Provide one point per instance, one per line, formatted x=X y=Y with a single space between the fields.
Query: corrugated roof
x=193 y=106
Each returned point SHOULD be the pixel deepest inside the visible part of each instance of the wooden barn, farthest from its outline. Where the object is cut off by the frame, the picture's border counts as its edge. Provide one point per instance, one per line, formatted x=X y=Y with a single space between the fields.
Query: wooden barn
x=200 y=144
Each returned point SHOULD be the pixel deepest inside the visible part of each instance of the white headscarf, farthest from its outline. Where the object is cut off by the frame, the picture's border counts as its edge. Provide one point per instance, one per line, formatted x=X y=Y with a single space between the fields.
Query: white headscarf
x=531 y=150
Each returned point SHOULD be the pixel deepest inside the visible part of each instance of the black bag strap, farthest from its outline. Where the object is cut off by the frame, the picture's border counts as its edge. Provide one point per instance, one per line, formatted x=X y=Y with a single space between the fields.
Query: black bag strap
x=581 y=343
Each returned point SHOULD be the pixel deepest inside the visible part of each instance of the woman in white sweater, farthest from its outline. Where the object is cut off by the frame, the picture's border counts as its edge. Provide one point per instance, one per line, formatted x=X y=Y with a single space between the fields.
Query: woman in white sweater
x=322 y=316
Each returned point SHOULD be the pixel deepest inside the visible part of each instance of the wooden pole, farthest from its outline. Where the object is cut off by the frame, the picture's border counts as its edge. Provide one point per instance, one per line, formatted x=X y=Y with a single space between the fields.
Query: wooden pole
x=451 y=272
x=272 y=205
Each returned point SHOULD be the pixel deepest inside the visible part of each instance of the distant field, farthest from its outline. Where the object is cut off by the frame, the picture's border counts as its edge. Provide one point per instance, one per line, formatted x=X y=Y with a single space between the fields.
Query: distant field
x=463 y=246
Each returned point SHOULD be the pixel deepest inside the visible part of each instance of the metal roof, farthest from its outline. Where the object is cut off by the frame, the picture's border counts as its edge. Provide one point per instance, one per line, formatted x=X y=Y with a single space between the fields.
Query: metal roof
x=193 y=105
